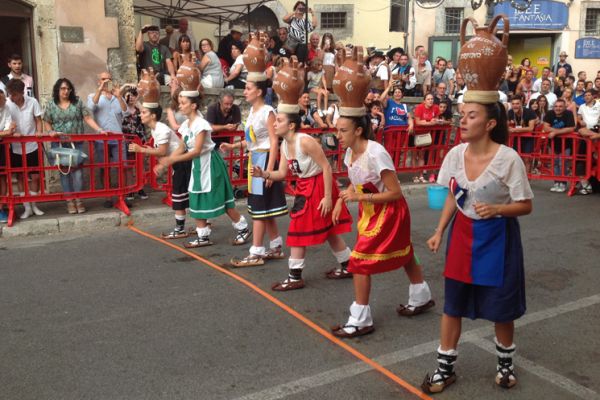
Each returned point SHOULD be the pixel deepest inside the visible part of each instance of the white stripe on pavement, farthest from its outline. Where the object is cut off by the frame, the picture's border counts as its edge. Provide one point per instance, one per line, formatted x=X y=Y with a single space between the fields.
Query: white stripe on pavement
x=474 y=336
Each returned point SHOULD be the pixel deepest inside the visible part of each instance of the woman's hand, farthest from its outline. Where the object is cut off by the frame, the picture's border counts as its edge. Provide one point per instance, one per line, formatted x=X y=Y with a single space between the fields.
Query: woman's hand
x=335 y=214
x=268 y=183
x=434 y=242
x=486 y=211
x=257 y=172
x=349 y=196
x=225 y=147
x=159 y=169
x=325 y=206
x=135 y=148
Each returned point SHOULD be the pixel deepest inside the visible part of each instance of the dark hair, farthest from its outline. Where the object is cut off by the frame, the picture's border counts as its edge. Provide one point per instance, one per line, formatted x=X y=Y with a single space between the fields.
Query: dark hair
x=441 y=59
x=56 y=91
x=560 y=100
x=523 y=61
x=500 y=132
x=299 y=3
x=294 y=119
x=197 y=101
x=157 y=112
x=516 y=97
x=15 y=57
x=588 y=91
x=364 y=124
x=15 y=86
x=262 y=86
x=181 y=39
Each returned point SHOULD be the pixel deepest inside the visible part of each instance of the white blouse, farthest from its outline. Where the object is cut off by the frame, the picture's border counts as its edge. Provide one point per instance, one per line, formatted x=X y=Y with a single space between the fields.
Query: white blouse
x=503 y=181
x=369 y=165
x=189 y=132
x=257 y=133
x=303 y=165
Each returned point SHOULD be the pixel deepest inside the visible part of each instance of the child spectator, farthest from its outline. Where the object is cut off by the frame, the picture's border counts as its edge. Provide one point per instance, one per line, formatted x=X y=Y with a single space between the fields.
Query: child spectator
x=7 y=128
x=27 y=114
x=318 y=85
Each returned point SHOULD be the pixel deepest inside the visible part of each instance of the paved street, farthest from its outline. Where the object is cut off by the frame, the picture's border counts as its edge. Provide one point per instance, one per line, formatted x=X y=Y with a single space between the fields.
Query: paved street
x=116 y=315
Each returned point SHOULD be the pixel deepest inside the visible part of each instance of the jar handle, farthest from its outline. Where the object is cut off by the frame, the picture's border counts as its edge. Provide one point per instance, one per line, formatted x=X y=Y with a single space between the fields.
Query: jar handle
x=463 y=28
x=493 y=27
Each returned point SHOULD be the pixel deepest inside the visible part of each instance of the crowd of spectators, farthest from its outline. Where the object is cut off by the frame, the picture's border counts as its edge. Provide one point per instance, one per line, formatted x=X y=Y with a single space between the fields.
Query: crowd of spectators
x=558 y=101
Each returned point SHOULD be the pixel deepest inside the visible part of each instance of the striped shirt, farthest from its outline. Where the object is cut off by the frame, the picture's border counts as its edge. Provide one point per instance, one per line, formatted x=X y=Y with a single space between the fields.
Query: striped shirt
x=298 y=29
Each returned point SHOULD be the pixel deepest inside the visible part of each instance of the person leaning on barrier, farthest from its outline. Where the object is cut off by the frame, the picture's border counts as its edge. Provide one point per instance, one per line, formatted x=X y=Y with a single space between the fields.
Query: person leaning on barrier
x=560 y=121
x=589 y=120
x=7 y=128
x=65 y=114
x=224 y=116
x=26 y=112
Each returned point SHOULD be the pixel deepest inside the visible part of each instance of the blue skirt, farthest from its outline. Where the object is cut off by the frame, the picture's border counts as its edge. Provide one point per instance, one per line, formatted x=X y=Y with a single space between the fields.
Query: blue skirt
x=505 y=303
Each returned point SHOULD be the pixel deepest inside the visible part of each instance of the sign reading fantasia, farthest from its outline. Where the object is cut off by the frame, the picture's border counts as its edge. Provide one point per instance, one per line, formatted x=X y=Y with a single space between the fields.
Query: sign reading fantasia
x=587 y=47
x=541 y=14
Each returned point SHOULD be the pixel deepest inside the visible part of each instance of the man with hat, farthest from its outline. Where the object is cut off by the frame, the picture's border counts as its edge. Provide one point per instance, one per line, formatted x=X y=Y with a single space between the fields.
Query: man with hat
x=233 y=38
x=155 y=55
x=562 y=62
x=379 y=71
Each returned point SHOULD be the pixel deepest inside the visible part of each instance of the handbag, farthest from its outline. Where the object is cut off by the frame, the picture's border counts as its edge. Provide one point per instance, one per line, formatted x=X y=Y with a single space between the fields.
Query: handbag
x=423 y=139
x=65 y=157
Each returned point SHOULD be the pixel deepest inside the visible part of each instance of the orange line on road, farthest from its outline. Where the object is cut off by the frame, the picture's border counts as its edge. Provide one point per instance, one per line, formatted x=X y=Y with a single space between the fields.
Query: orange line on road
x=292 y=312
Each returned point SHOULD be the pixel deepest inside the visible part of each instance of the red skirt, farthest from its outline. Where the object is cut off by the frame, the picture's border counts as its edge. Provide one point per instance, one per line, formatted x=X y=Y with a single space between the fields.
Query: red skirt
x=383 y=243
x=308 y=227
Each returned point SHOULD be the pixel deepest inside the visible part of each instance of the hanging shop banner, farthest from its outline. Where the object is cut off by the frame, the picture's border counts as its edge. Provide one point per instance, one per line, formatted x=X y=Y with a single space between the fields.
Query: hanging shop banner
x=587 y=47
x=541 y=14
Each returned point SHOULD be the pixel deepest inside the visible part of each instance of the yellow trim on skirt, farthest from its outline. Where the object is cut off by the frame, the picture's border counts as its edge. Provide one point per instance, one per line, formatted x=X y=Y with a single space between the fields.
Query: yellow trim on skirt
x=381 y=257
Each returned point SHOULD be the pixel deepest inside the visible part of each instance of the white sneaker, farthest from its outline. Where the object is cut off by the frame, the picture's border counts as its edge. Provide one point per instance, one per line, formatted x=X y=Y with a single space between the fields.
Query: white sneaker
x=562 y=187
x=36 y=210
x=555 y=187
x=28 y=213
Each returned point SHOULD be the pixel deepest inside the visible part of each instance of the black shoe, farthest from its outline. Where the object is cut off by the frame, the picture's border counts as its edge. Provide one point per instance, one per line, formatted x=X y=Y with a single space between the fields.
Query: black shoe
x=142 y=195
x=128 y=203
x=108 y=204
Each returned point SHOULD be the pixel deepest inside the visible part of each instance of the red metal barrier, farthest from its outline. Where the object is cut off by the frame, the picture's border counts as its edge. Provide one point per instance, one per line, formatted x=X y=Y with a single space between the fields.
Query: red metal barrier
x=564 y=158
x=125 y=167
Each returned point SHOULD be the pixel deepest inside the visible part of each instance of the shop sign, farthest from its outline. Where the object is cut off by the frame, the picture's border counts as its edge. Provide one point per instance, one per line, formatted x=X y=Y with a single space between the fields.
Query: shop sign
x=587 y=47
x=541 y=14
x=542 y=61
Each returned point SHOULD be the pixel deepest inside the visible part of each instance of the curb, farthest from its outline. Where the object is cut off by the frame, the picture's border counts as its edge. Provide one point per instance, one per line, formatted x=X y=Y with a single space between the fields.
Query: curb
x=113 y=219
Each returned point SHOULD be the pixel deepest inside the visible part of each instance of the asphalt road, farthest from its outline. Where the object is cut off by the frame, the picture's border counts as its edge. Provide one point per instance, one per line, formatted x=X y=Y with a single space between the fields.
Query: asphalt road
x=115 y=315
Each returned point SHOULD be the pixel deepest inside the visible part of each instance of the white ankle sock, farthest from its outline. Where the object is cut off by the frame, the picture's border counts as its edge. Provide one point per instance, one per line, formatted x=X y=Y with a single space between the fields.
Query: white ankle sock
x=360 y=315
x=418 y=294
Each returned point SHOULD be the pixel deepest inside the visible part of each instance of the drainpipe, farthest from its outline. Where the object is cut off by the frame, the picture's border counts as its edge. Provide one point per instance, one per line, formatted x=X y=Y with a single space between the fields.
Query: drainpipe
x=412 y=29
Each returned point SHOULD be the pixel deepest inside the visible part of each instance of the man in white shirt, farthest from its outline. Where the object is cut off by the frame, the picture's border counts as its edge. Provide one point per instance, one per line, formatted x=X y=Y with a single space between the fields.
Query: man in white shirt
x=406 y=74
x=545 y=90
x=379 y=71
x=26 y=112
x=537 y=84
x=589 y=116
x=15 y=63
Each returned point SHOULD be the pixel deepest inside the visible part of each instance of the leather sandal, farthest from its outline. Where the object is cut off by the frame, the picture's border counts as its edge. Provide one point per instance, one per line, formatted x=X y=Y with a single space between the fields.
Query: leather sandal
x=339 y=331
x=274 y=254
x=175 y=234
x=338 y=273
x=198 y=242
x=411 y=311
x=250 y=260
x=287 y=284
x=431 y=386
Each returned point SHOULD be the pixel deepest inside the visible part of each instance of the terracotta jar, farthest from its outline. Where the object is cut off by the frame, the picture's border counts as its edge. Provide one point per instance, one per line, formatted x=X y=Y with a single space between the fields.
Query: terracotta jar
x=255 y=57
x=188 y=76
x=149 y=87
x=351 y=83
x=289 y=85
x=482 y=59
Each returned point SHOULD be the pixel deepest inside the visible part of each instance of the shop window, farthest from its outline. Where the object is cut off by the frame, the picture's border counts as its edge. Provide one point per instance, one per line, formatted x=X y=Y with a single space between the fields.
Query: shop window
x=454 y=17
x=592 y=22
x=333 y=20
x=398 y=15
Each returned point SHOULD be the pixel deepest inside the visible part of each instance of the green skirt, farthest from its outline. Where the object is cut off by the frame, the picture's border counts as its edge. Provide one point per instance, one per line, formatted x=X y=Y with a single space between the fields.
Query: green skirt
x=210 y=189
